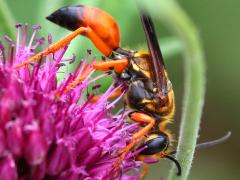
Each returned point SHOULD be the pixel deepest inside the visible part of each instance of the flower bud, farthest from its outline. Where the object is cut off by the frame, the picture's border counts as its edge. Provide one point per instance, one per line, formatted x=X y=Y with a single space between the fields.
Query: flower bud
x=8 y=169
x=15 y=140
x=58 y=159
x=35 y=148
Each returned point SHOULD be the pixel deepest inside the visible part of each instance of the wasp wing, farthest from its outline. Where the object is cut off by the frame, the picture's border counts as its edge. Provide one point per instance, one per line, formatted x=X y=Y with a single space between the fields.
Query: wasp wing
x=155 y=52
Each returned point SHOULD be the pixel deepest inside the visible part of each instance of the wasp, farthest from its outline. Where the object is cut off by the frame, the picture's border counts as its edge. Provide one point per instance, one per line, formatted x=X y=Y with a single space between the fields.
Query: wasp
x=149 y=93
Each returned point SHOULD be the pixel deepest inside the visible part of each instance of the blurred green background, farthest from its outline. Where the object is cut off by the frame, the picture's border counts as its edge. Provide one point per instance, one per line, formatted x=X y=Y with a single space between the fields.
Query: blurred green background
x=218 y=22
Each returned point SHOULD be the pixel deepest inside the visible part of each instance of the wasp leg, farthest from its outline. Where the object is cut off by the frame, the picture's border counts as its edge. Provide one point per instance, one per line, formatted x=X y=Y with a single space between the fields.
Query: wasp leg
x=142 y=118
x=145 y=171
x=99 y=43
x=79 y=80
x=74 y=83
x=54 y=47
x=103 y=29
x=145 y=166
x=117 y=65
x=115 y=94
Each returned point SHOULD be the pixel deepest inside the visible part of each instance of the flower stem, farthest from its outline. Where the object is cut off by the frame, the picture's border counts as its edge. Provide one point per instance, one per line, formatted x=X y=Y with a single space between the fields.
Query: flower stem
x=6 y=19
x=194 y=79
x=194 y=91
x=171 y=47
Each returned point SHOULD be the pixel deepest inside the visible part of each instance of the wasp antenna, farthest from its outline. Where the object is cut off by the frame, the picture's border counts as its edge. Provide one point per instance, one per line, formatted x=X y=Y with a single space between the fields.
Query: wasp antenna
x=176 y=163
x=214 y=142
x=210 y=143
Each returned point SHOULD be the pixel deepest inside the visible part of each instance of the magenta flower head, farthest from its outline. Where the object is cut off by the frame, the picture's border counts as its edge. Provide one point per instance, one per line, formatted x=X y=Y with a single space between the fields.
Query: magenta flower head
x=55 y=130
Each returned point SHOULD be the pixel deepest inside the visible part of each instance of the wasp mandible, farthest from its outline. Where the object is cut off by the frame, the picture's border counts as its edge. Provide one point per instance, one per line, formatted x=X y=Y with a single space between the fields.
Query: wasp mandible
x=149 y=94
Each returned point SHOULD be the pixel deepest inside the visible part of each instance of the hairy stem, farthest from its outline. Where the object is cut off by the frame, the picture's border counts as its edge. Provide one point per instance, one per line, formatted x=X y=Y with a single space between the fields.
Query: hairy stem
x=194 y=79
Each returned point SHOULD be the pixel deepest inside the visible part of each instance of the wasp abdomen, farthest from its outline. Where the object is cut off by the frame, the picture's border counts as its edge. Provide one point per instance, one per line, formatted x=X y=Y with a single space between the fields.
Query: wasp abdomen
x=104 y=29
x=68 y=17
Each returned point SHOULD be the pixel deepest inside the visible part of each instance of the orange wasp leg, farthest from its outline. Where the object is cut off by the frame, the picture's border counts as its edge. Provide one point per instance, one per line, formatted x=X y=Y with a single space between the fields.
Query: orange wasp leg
x=138 y=117
x=100 y=44
x=79 y=80
x=145 y=165
x=54 y=47
x=143 y=118
x=115 y=94
x=145 y=171
x=75 y=82
x=117 y=65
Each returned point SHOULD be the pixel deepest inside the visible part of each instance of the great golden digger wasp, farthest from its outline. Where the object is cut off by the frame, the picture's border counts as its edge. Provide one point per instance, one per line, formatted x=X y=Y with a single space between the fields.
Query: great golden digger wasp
x=149 y=91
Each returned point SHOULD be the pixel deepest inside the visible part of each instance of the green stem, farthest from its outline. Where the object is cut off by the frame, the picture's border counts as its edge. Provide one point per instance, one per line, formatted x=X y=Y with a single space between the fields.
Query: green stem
x=194 y=79
x=6 y=19
x=194 y=90
x=171 y=46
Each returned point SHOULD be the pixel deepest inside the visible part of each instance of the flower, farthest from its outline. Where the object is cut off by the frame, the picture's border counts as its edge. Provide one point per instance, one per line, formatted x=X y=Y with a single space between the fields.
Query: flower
x=51 y=129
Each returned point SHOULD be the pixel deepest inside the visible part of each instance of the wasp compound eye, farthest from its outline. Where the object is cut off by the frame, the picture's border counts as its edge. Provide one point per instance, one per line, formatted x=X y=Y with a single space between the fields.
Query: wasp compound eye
x=155 y=145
